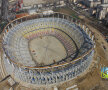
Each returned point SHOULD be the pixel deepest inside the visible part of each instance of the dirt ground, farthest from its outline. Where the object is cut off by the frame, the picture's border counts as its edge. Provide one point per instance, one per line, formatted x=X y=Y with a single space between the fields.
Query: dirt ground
x=66 y=11
x=46 y=50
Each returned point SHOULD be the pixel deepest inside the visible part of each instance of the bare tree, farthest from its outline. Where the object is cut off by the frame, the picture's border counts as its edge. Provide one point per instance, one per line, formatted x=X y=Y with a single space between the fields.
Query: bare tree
x=5 y=9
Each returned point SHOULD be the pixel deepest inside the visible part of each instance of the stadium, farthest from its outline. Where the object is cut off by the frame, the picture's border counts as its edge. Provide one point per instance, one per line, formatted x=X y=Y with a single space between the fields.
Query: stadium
x=47 y=49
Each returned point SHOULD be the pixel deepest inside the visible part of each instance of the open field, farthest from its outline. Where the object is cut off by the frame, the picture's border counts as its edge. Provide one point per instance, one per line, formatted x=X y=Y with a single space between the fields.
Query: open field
x=47 y=50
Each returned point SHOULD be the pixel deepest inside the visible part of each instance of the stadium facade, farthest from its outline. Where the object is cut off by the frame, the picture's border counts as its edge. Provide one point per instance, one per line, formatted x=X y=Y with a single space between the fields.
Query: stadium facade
x=76 y=38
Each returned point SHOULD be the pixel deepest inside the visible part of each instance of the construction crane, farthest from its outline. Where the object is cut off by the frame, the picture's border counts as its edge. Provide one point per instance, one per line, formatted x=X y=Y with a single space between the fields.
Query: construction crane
x=17 y=6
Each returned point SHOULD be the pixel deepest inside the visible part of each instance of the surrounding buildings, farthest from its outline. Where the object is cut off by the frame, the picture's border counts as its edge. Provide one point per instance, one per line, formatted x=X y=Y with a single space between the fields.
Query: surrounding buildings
x=92 y=3
x=42 y=3
x=104 y=1
x=100 y=7
x=102 y=11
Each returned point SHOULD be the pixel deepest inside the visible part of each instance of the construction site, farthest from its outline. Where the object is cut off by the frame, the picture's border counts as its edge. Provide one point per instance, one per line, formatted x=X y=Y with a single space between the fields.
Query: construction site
x=45 y=45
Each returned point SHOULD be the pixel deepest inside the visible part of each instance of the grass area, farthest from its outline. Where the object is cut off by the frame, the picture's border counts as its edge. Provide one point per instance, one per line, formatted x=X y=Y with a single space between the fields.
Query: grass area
x=68 y=11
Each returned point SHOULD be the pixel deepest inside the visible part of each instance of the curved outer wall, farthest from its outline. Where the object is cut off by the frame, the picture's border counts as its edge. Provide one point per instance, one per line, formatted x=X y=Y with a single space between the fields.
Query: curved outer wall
x=50 y=75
